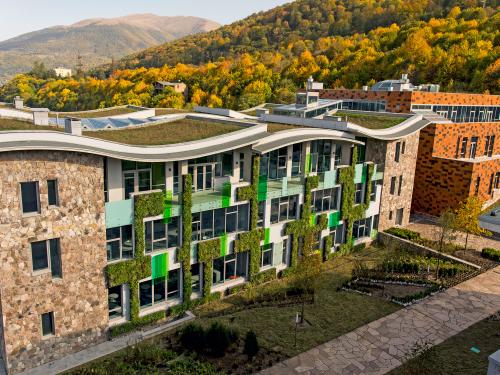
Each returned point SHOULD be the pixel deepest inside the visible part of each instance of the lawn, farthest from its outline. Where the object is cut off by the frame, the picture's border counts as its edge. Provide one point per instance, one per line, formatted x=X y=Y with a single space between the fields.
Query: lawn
x=374 y=121
x=454 y=357
x=273 y=128
x=95 y=114
x=166 y=133
x=169 y=111
x=11 y=124
x=333 y=314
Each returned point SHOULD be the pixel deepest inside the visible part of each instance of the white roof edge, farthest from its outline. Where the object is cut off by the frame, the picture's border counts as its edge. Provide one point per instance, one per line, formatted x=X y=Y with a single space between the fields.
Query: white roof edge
x=404 y=129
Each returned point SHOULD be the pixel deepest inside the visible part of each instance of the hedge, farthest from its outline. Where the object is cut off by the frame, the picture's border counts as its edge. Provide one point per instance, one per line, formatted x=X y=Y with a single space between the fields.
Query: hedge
x=490 y=253
x=404 y=233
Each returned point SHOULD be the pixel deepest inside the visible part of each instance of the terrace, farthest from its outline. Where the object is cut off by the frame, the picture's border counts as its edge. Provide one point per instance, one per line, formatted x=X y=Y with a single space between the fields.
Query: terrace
x=373 y=121
x=107 y=112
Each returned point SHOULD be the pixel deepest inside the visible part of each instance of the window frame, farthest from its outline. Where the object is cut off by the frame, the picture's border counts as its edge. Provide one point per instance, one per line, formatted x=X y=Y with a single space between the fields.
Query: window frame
x=121 y=308
x=49 y=257
x=152 y=222
x=120 y=242
x=290 y=202
x=55 y=192
x=37 y=196
x=268 y=249
x=52 y=324
x=392 y=189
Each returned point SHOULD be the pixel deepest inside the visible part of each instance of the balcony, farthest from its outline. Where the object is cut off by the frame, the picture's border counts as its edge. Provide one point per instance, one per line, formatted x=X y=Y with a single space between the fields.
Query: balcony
x=119 y=213
x=284 y=187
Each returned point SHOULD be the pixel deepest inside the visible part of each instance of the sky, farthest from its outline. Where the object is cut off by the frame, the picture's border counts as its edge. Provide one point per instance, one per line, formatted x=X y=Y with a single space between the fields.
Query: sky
x=19 y=17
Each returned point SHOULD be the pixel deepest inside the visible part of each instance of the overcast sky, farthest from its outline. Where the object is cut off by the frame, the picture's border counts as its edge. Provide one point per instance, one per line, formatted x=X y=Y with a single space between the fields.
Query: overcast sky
x=22 y=16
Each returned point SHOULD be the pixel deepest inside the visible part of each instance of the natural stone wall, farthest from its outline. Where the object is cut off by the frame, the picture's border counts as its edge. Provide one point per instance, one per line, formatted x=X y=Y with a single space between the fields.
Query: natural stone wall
x=384 y=153
x=79 y=299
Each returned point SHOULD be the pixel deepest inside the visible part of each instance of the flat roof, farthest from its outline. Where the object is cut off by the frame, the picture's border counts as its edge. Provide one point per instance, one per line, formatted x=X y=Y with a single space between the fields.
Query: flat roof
x=375 y=120
x=319 y=104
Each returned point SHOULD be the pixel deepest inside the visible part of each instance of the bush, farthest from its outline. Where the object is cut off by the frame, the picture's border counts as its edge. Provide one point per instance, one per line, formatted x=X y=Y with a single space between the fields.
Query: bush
x=193 y=337
x=404 y=233
x=218 y=337
x=265 y=276
x=490 y=253
x=251 y=344
x=359 y=247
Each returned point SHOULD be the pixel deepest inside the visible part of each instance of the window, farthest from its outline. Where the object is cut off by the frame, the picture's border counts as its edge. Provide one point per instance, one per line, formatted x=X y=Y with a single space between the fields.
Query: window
x=215 y=223
x=325 y=200
x=48 y=326
x=393 y=185
x=399 y=216
x=390 y=215
x=488 y=147
x=296 y=159
x=196 y=277
x=242 y=166
x=497 y=180
x=339 y=234
x=159 y=235
x=119 y=243
x=362 y=228
x=490 y=189
x=338 y=154
x=154 y=292
x=261 y=213
x=403 y=147
x=375 y=222
x=284 y=208
x=267 y=255
x=321 y=153
x=139 y=176
x=286 y=254
x=400 y=184
x=115 y=302
x=52 y=192
x=273 y=165
x=30 y=197
x=229 y=267
x=46 y=255
x=473 y=147
x=476 y=187
x=398 y=152
x=358 y=195
x=463 y=150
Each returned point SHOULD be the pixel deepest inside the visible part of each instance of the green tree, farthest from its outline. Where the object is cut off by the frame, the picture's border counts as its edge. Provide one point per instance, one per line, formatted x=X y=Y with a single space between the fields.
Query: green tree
x=467 y=218
x=445 y=228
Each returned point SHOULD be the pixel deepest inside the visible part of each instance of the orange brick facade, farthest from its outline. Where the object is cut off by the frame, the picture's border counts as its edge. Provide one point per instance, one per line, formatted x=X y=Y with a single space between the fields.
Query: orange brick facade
x=443 y=178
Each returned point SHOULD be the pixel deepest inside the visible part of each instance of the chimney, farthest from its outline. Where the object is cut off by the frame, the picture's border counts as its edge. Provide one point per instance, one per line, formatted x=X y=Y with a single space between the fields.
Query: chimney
x=73 y=126
x=18 y=102
x=365 y=88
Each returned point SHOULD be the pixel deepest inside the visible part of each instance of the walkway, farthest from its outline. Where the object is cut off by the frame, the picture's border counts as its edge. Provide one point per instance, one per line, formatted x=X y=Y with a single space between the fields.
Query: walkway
x=384 y=344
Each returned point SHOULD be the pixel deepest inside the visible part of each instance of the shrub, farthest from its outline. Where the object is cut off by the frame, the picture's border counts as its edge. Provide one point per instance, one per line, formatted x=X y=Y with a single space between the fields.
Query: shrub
x=404 y=233
x=251 y=344
x=265 y=276
x=359 y=247
x=490 y=253
x=193 y=337
x=218 y=337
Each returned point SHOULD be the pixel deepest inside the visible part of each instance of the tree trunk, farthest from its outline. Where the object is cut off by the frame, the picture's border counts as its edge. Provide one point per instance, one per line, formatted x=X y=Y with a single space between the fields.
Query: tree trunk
x=466 y=240
x=302 y=313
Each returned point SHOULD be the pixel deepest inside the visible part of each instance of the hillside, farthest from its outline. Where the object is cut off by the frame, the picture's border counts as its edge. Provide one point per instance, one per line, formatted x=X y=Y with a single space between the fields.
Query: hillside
x=278 y=28
x=96 y=40
x=459 y=50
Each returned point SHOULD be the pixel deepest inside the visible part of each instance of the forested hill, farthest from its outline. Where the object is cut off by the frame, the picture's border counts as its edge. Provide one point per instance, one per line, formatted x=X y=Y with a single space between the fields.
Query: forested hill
x=459 y=50
x=283 y=26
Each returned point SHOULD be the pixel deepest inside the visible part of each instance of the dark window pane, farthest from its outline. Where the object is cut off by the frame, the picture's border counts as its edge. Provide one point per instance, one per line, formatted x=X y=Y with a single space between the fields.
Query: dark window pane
x=145 y=293
x=207 y=224
x=243 y=217
x=29 y=195
x=231 y=222
x=48 y=324
x=159 y=229
x=148 y=235
x=113 y=250
x=52 y=192
x=275 y=210
x=173 y=232
x=159 y=290
x=230 y=267
x=173 y=284
x=115 y=302
x=55 y=257
x=219 y=218
x=218 y=271
x=113 y=233
x=195 y=277
x=241 y=264
x=127 y=246
x=39 y=255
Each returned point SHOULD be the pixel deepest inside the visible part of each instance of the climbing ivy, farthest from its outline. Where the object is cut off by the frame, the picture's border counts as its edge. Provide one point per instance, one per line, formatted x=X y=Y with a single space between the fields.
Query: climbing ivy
x=207 y=252
x=131 y=271
x=250 y=241
x=251 y=193
x=185 y=250
x=350 y=211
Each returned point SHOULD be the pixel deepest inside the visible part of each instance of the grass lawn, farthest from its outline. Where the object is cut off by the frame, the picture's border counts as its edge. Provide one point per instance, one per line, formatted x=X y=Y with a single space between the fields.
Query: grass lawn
x=371 y=121
x=11 y=124
x=167 y=133
x=454 y=357
x=273 y=128
x=169 y=111
x=95 y=114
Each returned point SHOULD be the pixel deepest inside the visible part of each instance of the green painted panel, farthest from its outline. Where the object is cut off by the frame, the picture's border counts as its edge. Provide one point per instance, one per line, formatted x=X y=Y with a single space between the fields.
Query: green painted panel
x=312 y=220
x=267 y=236
x=262 y=189
x=119 y=213
x=307 y=166
x=364 y=174
x=223 y=245
x=167 y=206
x=334 y=219
x=159 y=266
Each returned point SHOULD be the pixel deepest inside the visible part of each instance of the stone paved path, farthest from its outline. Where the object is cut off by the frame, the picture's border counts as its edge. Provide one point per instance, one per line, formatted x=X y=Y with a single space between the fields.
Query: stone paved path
x=384 y=344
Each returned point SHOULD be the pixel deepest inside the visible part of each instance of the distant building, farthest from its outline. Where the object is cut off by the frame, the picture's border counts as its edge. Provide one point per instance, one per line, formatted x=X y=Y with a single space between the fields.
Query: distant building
x=62 y=72
x=180 y=87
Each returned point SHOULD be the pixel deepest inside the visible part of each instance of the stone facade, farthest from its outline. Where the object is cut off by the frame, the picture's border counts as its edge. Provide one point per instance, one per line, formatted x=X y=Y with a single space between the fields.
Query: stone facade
x=385 y=153
x=78 y=299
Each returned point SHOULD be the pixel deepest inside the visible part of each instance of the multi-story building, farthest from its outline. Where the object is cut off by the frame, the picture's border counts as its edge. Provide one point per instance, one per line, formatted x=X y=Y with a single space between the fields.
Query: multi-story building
x=97 y=234
x=458 y=154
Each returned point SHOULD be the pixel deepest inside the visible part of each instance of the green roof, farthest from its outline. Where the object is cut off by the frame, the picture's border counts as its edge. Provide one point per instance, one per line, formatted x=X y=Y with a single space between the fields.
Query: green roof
x=371 y=121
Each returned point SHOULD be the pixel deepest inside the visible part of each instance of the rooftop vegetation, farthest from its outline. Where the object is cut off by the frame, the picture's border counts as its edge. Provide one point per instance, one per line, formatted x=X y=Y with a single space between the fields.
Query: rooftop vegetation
x=95 y=114
x=371 y=121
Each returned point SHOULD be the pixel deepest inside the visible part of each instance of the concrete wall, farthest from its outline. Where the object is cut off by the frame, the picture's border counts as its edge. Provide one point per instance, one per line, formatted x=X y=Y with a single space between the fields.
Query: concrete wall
x=79 y=298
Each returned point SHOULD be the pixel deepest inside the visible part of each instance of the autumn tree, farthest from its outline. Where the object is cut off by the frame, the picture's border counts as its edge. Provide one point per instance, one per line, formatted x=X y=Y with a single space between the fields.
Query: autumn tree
x=445 y=228
x=467 y=218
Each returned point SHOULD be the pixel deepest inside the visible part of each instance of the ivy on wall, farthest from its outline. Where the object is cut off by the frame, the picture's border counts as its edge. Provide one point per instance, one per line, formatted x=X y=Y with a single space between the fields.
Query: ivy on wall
x=185 y=250
x=250 y=241
x=350 y=211
x=207 y=252
x=251 y=193
x=131 y=271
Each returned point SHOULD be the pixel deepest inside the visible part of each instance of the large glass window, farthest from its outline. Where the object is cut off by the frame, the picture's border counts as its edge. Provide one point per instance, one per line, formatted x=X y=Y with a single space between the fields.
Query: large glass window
x=321 y=153
x=159 y=235
x=267 y=255
x=115 y=302
x=362 y=228
x=296 y=159
x=139 y=176
x=119 y=243
x=326 y=200
x=358 y=194
x=273 y=165
x=261 y=213
x=46 y=255
x=154 y=292
x=205 y=169
x=215 y=223
x=196 y=277
x=229 y=267
x=30 y=197
x=284 y=208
